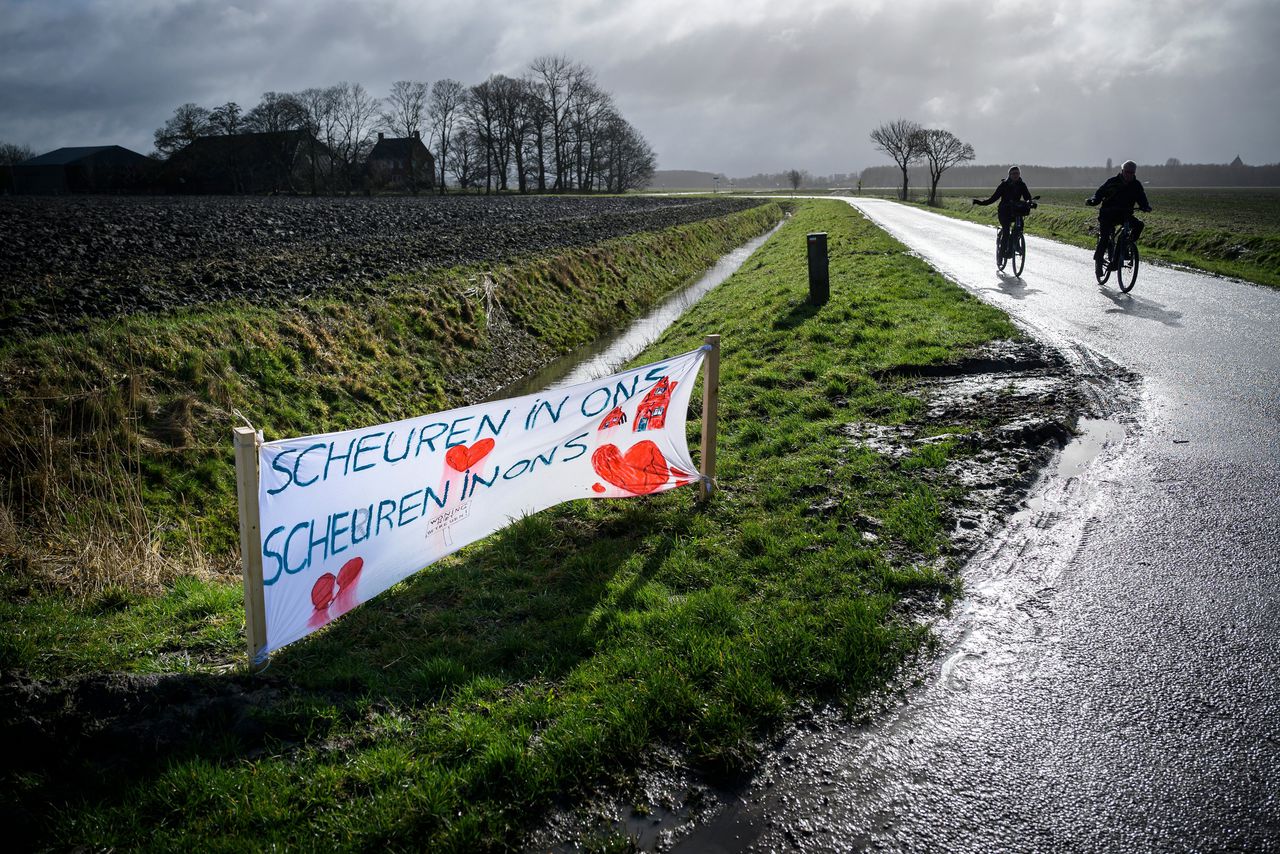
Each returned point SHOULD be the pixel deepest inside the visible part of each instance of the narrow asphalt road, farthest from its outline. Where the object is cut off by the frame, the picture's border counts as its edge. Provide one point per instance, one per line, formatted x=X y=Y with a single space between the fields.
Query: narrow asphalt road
x=1112 y=680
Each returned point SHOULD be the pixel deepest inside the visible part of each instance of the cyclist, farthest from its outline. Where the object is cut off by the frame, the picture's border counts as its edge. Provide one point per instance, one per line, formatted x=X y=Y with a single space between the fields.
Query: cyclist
x=1118 y=195
x=1015 y=200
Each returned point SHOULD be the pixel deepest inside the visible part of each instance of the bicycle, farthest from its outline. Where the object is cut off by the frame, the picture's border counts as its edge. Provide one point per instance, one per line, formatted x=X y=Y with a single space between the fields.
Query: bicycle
x=1018 y=242
x=1120 y=257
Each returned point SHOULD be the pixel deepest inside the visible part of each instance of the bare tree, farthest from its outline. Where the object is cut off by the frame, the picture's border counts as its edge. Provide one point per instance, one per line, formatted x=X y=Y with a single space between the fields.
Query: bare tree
x=508 y=128
x=481 y=112
x=559 y=79
x=406 y=110
x=795 y=177
x=539 y=129
x=902 y=140
x=357 y=116
x=942 y=150
x=188 y=122
x=466 y=150
x=525 y=117
x=277 y=111
x=321 y=122
x=11 y=153
x=591 y=107
x=628 y=161
x=226 y=120
x=442 y=111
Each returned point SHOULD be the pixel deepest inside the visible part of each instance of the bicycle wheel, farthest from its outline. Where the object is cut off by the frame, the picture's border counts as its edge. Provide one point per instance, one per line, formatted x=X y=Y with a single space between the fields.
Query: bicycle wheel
x=999 y=250
x=1103 y=270
x=1127 y=269
x=1019 y=254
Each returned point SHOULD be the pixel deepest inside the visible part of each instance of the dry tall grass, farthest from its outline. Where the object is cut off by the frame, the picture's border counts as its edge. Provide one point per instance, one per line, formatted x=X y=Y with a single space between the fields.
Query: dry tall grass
x=72 y=516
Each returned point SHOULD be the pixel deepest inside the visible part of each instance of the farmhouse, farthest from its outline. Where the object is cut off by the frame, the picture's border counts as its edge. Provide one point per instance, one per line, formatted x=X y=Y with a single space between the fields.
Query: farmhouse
x=290 y=161
x=91 y=169
x=400 y=163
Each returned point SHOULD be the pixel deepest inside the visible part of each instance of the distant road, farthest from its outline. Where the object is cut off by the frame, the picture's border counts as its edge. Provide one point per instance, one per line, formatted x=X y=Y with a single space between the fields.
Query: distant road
x=1112 y=680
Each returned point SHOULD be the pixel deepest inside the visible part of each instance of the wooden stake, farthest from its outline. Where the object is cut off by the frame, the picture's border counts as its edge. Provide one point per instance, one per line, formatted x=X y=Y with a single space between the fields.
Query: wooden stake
x=710 y=412
x=255 y=619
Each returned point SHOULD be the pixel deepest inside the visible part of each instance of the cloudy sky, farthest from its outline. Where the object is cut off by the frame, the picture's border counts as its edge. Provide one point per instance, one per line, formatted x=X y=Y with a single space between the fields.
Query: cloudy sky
x=732 y=86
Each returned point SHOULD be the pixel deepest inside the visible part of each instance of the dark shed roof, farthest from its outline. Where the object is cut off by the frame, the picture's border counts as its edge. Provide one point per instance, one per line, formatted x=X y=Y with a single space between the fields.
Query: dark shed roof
x=68 y=156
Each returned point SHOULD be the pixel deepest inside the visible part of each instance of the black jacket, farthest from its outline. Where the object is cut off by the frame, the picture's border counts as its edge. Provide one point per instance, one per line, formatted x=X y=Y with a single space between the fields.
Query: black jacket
x=1117 y=197
x=1009 y=193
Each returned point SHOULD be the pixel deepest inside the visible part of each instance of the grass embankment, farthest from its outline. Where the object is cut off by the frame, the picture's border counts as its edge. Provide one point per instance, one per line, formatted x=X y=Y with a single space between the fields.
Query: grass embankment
x=1229 y=231
x=451 y=712
x=118 y=521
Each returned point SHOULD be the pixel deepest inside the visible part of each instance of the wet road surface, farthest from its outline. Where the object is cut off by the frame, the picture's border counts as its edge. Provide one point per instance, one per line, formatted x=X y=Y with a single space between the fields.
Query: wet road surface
x=1111 y=680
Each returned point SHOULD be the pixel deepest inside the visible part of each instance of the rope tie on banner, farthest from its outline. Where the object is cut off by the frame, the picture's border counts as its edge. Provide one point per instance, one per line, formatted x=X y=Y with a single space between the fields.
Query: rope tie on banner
x=256 y=432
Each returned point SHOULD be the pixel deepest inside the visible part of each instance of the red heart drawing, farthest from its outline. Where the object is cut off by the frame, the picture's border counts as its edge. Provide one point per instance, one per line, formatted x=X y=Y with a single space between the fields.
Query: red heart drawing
x=322 y=593
x=462 y=458
x=642 y=470
x=350 y=572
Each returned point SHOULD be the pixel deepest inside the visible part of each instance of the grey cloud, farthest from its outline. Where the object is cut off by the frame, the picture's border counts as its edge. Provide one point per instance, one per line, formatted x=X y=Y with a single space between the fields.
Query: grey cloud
x=759 y=87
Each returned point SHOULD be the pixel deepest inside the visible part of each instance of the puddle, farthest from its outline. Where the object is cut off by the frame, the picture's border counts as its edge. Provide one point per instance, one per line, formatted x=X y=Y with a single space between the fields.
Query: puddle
x=1094 y=435
x=610 y=352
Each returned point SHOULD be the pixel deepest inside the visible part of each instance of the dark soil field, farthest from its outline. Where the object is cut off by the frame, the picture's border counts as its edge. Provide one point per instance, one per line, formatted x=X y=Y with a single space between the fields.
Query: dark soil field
x=66 y=259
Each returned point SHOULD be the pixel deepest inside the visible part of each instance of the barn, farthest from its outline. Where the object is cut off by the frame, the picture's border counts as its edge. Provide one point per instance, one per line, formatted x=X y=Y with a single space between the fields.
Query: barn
x=91 y=169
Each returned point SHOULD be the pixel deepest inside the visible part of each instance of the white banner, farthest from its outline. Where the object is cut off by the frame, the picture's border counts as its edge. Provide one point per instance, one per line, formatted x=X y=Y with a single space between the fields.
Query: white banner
x=346 y=515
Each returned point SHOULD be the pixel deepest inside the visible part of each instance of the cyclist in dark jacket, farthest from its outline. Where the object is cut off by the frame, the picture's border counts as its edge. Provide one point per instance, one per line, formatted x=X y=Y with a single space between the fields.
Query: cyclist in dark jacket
x=1014 y=198
x=1118 y=195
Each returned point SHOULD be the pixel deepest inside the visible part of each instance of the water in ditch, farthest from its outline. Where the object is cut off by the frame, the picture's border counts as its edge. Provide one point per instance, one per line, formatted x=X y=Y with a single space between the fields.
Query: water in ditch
x=610 y=352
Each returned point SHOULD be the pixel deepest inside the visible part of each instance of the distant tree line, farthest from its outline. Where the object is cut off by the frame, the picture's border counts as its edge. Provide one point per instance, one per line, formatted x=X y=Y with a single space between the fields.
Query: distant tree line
x=553 y=129
x=777 y=180
x=1172 y=173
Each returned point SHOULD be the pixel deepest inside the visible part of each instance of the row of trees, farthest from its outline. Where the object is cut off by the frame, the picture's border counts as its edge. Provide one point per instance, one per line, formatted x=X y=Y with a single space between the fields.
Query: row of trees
x=907 y=142
x=1171 y=173
x=551 y=129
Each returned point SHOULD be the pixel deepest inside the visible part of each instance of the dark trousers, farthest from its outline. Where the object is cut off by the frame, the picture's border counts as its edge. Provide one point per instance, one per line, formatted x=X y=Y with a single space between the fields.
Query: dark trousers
x=1006 y=217
x=1108 y=222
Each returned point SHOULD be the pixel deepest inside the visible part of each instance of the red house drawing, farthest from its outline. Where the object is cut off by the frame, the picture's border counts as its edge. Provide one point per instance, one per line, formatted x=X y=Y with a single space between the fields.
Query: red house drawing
x=615 y=417
x=652 y=414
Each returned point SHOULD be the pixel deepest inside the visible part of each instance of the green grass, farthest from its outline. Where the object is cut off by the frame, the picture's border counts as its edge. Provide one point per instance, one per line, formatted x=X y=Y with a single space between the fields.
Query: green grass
x=529 y=669
x=1232 y=232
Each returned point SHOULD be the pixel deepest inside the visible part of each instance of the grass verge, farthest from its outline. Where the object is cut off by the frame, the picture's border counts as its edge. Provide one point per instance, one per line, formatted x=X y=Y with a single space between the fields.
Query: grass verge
x=530 y=668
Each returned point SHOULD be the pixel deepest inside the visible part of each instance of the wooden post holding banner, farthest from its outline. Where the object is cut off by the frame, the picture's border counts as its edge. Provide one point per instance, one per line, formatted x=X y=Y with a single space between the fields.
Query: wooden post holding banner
x=255 y=611
x=710 y=412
